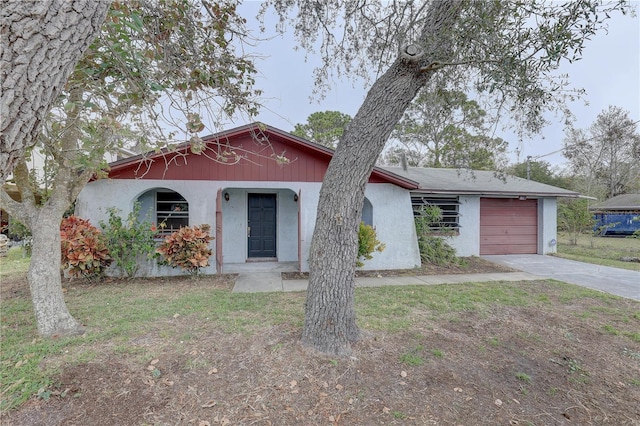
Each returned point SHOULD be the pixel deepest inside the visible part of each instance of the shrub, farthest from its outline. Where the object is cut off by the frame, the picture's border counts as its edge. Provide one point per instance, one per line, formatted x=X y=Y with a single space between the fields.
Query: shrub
x=187 y=248
x=84 y=251
x=434 y=250
x=19 y=231
x=575 y=218
x=367 y=243
x=128 y=240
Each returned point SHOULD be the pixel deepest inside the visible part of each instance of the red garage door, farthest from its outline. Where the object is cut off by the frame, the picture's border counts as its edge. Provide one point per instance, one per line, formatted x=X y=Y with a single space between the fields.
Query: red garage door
x=508 y=226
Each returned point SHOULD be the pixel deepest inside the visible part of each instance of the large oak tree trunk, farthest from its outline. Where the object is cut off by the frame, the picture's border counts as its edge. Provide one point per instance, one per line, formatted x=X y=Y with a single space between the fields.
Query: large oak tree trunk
x=42 y=41
x=330 y=320
x=52 y=316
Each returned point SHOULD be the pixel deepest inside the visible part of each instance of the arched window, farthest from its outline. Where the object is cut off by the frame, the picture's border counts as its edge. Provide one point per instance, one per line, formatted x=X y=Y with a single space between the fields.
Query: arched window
x=367 y=212
x=168 y=209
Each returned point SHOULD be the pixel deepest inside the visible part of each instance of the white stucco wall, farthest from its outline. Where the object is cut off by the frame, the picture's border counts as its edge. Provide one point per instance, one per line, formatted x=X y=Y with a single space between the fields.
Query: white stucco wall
x=393 y=221
x=98 y=196
x=547 y=225
x=467 y=242
x=392 y=216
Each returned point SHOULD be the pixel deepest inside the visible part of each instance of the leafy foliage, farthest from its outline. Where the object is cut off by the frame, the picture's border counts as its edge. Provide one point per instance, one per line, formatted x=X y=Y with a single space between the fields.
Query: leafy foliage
x=607 y=155
x=128 y=241
x=187 y=248
x=443 y=128
x=367 y=243
x=155 y=65
x=433 y=249
x=18 y=230
x=540 y=171
x=84 y=251
x=325 y=127
x=575 y=218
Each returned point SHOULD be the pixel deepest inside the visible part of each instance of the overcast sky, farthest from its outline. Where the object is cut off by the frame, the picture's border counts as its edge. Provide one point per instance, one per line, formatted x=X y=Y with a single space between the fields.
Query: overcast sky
x=609 y=71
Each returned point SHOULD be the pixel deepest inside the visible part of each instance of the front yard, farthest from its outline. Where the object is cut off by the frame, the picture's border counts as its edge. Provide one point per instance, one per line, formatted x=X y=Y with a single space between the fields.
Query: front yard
x=188 y=351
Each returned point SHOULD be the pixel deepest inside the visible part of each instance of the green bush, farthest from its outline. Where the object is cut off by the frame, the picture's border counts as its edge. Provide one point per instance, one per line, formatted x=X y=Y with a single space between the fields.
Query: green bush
x=128 y=241
x=84 y=251
x=19 y=231
x=433 y=249
x=436 y=251
x=575 y=218
x=187 y=248
x=367 y=243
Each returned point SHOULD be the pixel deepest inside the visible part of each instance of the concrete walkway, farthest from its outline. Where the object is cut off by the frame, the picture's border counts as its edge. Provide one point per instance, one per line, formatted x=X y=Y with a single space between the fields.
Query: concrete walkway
x=621 y=282
x=266 y=277
x=257 y=282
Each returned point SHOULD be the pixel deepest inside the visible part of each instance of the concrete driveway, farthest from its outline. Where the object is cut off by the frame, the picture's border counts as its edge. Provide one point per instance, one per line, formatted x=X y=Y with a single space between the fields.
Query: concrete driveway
x=621 y=282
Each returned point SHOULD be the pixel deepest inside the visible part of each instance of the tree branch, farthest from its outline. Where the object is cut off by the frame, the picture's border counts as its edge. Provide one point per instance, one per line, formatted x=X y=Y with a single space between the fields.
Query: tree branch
x=21 y=176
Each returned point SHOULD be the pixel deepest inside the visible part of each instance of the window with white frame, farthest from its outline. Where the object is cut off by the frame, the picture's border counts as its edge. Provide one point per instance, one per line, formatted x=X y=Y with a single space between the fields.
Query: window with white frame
x=449 y=208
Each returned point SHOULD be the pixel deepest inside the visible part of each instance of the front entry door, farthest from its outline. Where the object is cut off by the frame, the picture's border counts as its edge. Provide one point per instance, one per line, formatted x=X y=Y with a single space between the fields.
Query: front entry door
x=262 y=225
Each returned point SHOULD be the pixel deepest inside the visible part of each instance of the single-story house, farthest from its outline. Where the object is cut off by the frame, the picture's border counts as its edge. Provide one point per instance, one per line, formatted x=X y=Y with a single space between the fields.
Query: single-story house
x=258 y=188
x=617 y=216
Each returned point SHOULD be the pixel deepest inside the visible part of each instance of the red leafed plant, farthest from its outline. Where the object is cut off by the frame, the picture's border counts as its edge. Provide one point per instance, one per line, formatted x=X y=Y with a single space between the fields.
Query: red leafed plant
x=84 y=251
x=187 y=248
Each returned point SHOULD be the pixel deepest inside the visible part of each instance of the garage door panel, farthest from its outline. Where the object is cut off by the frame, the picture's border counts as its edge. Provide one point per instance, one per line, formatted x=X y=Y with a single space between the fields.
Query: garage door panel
x=511 y=249
x=493 y=210
x=508 y=226
x=501 y=230
x=505 y=221
x=507 y=240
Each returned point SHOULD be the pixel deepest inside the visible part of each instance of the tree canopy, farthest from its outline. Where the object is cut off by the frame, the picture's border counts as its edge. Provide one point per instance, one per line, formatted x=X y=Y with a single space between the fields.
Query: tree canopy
x=443 y=128
x=323 y=127
x=539 y=171
x=606 y=156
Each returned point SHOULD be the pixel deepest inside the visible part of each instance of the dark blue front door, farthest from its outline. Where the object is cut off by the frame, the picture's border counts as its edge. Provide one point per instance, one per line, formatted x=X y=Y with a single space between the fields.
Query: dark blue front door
x=262 y=225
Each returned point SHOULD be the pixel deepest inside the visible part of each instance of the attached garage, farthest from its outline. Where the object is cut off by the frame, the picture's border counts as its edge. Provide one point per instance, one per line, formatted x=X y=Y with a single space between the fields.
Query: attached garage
x=508 y=226
x=486 y=213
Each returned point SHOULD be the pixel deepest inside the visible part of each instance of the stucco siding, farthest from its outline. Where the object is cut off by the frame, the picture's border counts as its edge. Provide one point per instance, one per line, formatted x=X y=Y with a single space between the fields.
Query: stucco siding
x=467 y=242
x=391 y=211
x=393 y=220
x=547 y=225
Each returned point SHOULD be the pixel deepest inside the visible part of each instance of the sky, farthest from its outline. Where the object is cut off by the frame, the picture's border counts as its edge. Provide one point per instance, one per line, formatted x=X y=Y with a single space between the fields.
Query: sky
x=609 y=72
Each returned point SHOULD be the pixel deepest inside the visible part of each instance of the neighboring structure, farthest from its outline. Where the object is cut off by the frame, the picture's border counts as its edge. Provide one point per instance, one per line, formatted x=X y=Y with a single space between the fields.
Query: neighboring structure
x=262 y=203
x=617 y=216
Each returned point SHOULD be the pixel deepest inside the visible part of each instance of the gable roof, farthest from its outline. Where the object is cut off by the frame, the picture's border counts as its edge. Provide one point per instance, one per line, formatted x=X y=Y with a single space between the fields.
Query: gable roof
x=620 y=202
x=477 y=182
x=268 y=154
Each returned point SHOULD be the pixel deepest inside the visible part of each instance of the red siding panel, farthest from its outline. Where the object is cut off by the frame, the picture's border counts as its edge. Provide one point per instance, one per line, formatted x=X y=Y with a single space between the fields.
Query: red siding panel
x=508 y=226
x=258 y=164
x=304 y=162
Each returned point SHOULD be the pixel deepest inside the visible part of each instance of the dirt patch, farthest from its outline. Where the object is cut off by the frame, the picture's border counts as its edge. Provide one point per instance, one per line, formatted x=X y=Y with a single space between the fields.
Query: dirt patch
x=468 y=265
